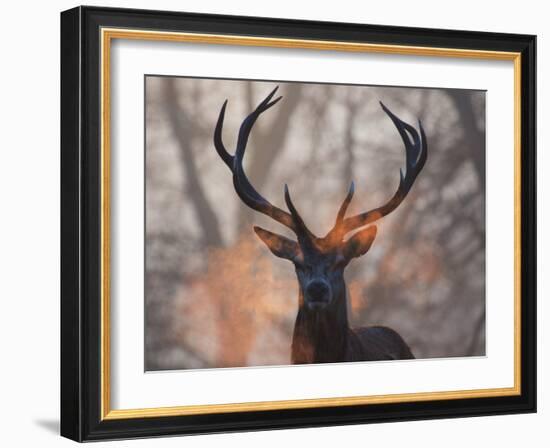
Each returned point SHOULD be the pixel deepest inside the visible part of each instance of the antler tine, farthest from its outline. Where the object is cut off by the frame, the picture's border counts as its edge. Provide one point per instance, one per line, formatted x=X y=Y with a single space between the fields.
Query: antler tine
x=243 y=187
x=416 y=153
x=218 y=142
x=302 y=232
x=242 y=140
x=244 y=130
x=222 y=151
x=345 y=204
x=414 y=164
x=249 y=121
x=336 y=232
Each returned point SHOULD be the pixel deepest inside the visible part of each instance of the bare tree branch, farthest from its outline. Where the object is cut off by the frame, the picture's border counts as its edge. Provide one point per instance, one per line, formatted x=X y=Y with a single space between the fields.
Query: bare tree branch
x=182 y=128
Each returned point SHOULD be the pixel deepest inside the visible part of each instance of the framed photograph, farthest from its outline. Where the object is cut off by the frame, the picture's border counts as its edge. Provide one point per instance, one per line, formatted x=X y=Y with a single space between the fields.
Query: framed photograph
x=274 y=224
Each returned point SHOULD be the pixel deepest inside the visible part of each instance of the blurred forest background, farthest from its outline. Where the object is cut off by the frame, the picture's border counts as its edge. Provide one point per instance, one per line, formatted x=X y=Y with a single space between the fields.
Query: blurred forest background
x=214 y=294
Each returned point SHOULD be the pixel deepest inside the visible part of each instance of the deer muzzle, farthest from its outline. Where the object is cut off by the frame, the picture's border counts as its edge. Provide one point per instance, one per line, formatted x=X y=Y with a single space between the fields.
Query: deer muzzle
x=317 y=294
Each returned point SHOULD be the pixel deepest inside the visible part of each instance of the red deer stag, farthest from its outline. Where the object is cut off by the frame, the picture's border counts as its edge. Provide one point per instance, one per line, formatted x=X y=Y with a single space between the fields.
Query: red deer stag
x=322 y=333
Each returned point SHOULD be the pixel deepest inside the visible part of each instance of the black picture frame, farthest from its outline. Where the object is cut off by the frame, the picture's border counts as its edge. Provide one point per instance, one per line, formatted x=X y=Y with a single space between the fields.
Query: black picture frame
x=81 y=224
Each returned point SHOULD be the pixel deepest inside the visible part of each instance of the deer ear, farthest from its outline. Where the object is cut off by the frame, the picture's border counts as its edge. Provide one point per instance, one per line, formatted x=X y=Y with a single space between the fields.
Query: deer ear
x=360 y=243
x=279 y=245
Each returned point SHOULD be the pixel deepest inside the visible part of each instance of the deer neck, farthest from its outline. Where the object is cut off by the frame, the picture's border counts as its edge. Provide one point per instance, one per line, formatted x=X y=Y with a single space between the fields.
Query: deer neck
x=321 y=336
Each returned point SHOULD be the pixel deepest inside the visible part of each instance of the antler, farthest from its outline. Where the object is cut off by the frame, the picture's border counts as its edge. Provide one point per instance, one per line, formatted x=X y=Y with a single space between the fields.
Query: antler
x=243 y=187
x=416 y=154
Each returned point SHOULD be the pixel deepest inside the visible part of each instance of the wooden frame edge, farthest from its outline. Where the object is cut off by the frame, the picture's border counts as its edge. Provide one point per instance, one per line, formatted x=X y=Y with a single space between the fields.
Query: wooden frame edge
x=107 y=34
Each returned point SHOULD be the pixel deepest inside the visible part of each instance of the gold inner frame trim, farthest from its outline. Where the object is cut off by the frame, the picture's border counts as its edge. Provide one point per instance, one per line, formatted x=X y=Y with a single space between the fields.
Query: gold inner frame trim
x=107 y=35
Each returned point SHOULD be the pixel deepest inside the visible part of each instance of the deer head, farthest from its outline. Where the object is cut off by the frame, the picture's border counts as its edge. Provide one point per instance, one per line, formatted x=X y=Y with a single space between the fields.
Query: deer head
x=319 y=261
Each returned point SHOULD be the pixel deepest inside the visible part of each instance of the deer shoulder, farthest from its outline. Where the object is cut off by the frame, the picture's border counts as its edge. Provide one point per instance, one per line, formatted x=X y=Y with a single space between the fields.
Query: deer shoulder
x=377 y=343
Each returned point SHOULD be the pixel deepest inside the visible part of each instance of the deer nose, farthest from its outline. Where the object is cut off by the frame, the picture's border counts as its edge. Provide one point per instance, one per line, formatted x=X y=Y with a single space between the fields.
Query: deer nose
x=318 y=292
